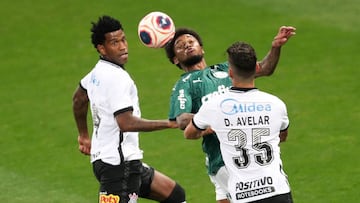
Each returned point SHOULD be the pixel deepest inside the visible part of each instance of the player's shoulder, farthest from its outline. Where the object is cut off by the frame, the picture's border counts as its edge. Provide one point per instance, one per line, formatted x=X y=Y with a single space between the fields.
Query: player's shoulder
x=188 y=77
x=271 y=97
x=182 y=81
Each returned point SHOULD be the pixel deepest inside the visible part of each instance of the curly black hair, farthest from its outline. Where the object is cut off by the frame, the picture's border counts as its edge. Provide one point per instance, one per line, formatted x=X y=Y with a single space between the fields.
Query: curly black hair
x=104 y=25
x=169 y=47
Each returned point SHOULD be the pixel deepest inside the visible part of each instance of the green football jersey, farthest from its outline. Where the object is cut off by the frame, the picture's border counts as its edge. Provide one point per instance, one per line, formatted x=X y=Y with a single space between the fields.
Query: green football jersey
x=190 y=92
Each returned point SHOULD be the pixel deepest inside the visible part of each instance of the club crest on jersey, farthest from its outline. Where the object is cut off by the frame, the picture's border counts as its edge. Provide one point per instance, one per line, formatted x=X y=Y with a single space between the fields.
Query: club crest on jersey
x=94 y=80
x=232 y=106
x=220 y=74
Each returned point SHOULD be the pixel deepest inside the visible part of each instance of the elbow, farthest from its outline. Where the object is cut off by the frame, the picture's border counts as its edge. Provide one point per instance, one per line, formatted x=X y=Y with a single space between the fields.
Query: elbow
x=269 y=72
x=188 y=137
x=124 y=129
x=191 y=136
x=266 y=71
x=127 y=127
x=123 y=125
x=283 y=136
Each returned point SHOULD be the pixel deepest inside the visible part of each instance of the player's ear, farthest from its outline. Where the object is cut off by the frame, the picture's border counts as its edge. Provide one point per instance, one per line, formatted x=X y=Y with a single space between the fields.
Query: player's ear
x=175 y=60
x=101 y=49
x=231 y=74
x=258 y=67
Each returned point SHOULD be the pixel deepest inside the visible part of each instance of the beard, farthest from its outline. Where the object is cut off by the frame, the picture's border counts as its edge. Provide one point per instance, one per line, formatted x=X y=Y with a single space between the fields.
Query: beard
x=193 y=60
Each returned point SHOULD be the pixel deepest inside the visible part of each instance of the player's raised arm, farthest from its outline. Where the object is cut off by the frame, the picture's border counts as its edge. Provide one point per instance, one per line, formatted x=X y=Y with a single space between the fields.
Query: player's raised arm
x=269 y=62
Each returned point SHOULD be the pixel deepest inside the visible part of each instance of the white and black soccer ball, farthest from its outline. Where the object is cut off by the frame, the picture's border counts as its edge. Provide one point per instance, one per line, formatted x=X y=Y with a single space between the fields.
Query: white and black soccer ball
x=156 y=29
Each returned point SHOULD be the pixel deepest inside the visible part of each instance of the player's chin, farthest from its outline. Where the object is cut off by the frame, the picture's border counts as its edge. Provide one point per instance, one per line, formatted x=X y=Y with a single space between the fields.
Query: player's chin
x=122 y=59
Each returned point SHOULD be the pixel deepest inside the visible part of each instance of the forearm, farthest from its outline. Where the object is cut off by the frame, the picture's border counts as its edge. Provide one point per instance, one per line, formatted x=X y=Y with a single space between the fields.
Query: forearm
x=80 y=109
x=269 y=62
x=145 y=125
x=129 y=123
x=80 y=116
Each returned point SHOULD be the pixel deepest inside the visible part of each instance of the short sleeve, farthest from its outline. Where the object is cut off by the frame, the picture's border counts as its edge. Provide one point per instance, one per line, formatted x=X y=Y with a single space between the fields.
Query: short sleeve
x=201 y=119
x=121 y=92
x=180 y=100
x=284 y=116
x=85 y=81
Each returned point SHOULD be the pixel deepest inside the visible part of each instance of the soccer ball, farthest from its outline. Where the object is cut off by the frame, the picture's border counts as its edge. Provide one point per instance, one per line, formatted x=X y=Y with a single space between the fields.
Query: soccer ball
x=156 y=29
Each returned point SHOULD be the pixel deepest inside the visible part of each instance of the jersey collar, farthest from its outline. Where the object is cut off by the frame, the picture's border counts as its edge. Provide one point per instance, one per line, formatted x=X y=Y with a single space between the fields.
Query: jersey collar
x=243 y=89
x=112 y=63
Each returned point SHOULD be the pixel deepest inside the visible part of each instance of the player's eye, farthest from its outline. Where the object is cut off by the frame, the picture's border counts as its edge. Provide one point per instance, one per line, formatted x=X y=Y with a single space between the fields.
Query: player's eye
x=114 y=42
x=180 y=46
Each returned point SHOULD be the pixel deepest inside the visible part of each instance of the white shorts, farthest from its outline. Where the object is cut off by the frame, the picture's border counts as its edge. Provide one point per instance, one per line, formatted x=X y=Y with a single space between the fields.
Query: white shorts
x=220 y=181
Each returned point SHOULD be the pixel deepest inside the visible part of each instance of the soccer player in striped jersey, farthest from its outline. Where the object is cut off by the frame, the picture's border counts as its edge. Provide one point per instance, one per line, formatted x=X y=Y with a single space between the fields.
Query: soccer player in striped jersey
x=248 y=124
x=201 y=82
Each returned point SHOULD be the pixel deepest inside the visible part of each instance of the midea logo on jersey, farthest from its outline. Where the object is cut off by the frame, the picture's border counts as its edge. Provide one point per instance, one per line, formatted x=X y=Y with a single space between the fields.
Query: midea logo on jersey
x=231 y=107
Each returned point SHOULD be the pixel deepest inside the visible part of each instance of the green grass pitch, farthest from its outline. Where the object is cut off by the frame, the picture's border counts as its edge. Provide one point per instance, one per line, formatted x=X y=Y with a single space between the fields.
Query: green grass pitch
x=46 y=49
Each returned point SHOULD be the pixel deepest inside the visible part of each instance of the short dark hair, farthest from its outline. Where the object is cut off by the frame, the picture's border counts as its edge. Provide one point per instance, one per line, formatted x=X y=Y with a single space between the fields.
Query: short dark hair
x=242 y=56
x=169 y=48
x=105 y=24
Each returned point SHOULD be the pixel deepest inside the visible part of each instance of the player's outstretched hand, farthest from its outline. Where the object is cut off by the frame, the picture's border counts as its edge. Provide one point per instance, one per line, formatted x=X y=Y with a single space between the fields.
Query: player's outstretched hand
x=84 y=144
x=285 y=32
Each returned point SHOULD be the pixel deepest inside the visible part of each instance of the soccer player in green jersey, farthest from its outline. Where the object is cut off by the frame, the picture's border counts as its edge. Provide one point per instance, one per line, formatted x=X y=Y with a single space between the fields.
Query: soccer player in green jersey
x=200 y=82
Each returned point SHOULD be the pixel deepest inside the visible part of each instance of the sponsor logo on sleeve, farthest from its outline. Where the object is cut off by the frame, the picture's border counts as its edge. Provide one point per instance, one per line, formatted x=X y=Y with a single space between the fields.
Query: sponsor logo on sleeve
x=181 y=98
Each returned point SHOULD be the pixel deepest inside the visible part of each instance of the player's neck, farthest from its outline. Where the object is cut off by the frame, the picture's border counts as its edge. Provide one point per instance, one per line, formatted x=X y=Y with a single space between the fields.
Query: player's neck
x=243 y=84
x=199 y=66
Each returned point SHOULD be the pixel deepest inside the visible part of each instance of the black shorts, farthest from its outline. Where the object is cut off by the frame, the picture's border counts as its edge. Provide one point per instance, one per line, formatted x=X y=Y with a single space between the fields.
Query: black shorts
x=283 y=198
x=118 y=181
